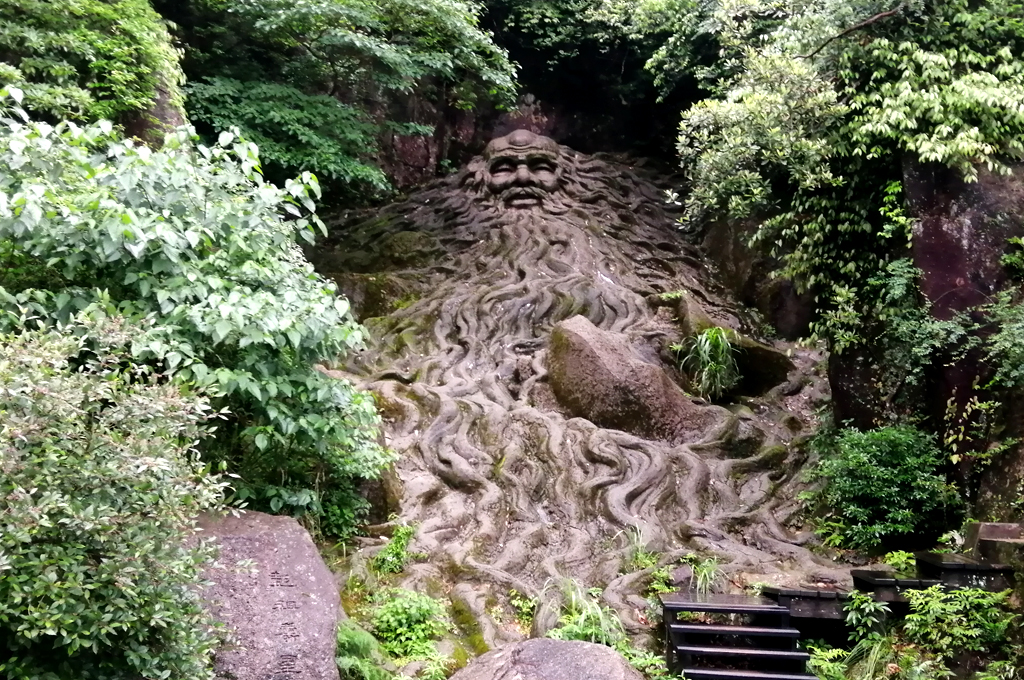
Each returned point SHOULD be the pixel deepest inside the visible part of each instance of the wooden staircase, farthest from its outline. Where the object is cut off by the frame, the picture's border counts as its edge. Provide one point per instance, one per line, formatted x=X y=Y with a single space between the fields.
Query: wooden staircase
x=762 y=647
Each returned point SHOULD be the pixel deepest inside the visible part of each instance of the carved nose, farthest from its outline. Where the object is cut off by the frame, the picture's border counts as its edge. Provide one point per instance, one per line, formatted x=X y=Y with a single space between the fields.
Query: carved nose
x=523 y=175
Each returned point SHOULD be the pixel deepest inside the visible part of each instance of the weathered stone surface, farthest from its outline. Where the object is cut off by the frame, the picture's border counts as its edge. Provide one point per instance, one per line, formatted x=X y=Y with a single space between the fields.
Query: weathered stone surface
x=545 y=659
x=598 y=375
x=747 y=273
x=277 y=598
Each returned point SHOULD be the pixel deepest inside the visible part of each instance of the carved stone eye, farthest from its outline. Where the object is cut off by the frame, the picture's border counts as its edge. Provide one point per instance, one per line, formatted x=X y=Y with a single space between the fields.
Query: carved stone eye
x=542 y=165
x=502 y=166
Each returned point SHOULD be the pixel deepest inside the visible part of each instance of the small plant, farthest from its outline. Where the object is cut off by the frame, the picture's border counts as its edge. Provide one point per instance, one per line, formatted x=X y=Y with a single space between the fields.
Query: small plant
x=523 y=606
x=709 y=359
x=358 y=655
x=640 y=557
x=661 y=581
x=946 y=623
x=827 y=663
x=407 y=623
x=671 y=295
x=1013 y=259
x=705 y=572
x=583 y=618
x=903 y=563
x=395 y=555
x=865 y=616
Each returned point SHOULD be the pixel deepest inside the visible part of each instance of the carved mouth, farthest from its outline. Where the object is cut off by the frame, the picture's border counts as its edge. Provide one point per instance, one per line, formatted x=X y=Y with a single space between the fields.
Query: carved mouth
x=523 y=198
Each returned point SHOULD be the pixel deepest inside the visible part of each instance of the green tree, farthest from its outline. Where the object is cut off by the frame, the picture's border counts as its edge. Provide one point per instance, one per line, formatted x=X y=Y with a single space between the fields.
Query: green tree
x=193 y=237
x=882 y=484
x=85 y=59
x=317 y=82
x=99 y=490
x=819 y=106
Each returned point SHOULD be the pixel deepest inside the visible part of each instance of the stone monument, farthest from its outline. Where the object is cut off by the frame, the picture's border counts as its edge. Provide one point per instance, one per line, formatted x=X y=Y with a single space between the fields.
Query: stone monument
x=276 y=597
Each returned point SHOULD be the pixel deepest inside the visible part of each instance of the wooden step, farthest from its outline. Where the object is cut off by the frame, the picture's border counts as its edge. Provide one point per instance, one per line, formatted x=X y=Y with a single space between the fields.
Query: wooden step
x=748 y=652
x=751 y=631
x=720 y=604
x=721 y=674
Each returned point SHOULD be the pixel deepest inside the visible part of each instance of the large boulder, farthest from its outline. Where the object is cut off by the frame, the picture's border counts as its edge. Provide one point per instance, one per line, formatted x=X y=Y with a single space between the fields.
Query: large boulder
x=598 y=375
x=277 y=598
x=546 y=659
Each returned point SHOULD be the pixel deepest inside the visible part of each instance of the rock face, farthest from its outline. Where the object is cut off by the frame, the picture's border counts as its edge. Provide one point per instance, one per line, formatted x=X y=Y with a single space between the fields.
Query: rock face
x=598 y=375
x=277 y=598
x=544 y=659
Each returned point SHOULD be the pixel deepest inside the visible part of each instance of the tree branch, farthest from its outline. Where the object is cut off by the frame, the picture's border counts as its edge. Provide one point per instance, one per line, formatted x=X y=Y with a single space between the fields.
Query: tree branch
x=851 y=29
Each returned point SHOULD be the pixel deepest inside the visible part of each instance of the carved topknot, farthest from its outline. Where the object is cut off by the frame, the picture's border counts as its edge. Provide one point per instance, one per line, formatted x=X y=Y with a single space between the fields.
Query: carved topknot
x=520 y=141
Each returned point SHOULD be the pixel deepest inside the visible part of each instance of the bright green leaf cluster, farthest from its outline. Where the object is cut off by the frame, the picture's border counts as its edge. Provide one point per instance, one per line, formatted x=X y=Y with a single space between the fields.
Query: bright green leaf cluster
x=882 y=484
x=191 y=236
x=85 y=59
x=99 y=488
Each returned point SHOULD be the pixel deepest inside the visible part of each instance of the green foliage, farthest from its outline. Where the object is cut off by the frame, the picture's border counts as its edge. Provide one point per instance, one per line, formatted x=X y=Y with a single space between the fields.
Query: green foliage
x=661 y=581
x=523 y=606
x=903 y=563
x=827 y=663
x=705 y=572
x=319 y=84
x=948 y=622
x=813 y=124
x=395 y=555
x=865 y=616
x=407 y=623
x=99 y=486
x=1013 y=259
x=710 y=360
x=358 y=655
x=881 y=484
x=193 y=237
x=85 y=59
x=295 y=132
x=888 y=657
x=584 y=618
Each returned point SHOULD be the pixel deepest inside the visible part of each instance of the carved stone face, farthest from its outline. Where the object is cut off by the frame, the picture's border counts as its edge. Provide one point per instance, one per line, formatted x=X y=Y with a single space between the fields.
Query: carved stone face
x=522 y=168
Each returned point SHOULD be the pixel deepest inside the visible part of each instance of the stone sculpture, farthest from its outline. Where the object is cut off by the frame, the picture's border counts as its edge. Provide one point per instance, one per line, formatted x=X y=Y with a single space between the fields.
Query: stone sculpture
x=509 y=487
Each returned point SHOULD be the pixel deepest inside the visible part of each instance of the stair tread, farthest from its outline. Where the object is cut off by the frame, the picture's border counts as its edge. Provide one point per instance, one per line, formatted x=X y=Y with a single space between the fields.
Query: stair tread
x=710 y=629
x=723 y=604
x=721 y=674
x=741 y=651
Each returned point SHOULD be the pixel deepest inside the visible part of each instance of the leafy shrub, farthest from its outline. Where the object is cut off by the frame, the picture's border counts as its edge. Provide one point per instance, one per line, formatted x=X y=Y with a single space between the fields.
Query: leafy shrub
x=85 y=59
x=903 y=563
x=358 y=655
x=295 y=132
x=192 y=236
x=393 y=557
x=946 y=623
x=710 y=361
x=99 y=485
x=882 y=484
x=407 y=623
